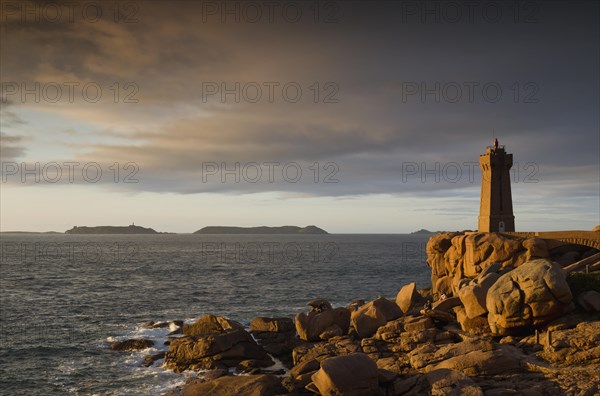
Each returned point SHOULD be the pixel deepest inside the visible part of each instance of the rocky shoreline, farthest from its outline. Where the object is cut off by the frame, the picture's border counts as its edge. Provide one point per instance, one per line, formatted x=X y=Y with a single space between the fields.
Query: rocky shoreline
x=506 y=315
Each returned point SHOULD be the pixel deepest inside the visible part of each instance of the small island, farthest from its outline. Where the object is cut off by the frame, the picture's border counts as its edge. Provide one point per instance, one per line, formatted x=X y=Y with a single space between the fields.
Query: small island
x=422 y=231
x=294 y=230
x=131 y=229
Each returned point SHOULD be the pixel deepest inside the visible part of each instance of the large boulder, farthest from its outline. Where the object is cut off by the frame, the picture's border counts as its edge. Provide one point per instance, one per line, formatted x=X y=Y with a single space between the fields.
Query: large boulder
x=536 y=248
x=368 y=318
x=532 y=294
x=408 y=297
x=473 y=295
x=222 y=350
x=276 y=335
x=355 y=374
x=210 y=324
x=446 y=304
x=131 y=345
x=247 y=385
x=322 y=322
x=262 y=324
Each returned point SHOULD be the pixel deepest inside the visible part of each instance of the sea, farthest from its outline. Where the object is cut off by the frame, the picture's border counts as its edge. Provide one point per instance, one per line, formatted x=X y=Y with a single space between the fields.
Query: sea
x=65 y=298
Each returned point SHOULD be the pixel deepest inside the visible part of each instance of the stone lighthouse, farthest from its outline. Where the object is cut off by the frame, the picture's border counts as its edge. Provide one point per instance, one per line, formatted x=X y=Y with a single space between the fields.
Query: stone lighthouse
x=495 y=211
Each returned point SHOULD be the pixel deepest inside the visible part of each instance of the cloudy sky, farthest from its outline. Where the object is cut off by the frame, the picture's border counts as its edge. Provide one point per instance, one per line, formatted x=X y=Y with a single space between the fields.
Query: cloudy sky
x=354 y=116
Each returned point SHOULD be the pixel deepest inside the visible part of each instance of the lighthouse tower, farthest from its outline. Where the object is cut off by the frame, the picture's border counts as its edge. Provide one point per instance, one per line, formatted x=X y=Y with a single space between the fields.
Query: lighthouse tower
x=495 y=211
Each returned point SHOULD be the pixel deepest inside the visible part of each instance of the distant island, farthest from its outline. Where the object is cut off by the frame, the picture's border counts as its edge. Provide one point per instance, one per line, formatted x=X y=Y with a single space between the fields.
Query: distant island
x=311 y=229
x=423 y=231
x=30 y=232
x=132 y=229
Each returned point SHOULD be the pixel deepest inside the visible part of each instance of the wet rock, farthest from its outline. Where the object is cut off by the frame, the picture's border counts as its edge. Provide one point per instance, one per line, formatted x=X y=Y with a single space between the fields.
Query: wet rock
x=214 y=374
x=156 y=325
x=277 y=336
x=319 y=305
x=223 y=350
x=150 y=359
x=210 y=324
x=355 y=304
x=131 y=345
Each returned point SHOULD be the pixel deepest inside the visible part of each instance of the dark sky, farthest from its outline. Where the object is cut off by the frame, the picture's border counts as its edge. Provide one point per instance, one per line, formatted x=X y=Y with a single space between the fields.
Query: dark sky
x=398 y=83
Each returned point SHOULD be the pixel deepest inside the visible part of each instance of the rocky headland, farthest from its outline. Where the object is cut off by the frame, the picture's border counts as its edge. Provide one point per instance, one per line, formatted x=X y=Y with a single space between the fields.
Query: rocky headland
x=506 y=315
x=311 y=229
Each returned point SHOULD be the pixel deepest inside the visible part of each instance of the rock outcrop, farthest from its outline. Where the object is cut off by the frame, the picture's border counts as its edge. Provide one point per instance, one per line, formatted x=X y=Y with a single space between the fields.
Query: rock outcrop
x=276 y=335
x=453 y=256
x=501 y=319
x=210 y=324
x=353 y=374
x=369 y=317
x=131 y=345
x=322 y=322
x=215 y=342
x=530 y=295
x=408 y=297
x=473 y=293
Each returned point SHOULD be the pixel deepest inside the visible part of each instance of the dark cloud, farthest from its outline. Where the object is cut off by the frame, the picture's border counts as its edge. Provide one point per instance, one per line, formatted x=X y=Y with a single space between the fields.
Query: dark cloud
x=546 y=112
x=10 y=148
